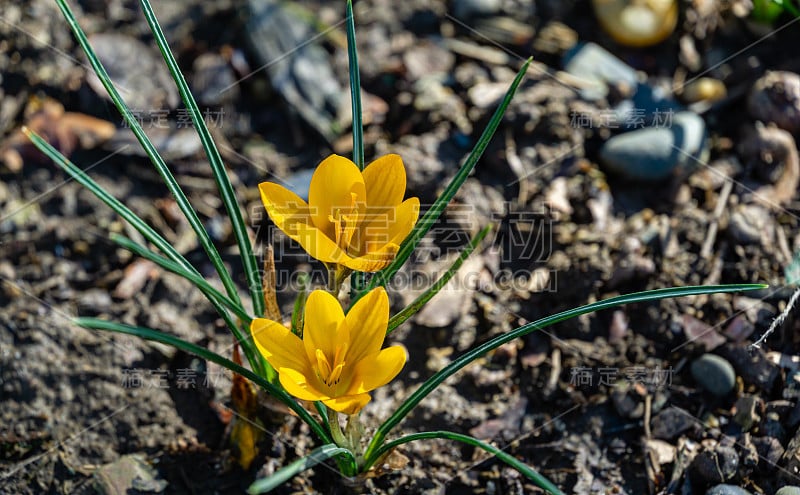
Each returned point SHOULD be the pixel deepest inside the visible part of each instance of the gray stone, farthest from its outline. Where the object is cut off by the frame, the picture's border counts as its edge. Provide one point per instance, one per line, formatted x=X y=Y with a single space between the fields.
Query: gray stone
x=598 y=66
x=727 y=490
x=715 y=465
x=465 y=9
x=788 y=490
x=714 y=374
x=655 y=153
x=128 y=474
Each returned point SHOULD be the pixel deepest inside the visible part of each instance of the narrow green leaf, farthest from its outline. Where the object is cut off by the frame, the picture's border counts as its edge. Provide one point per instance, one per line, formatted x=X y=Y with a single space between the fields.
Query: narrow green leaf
x=251 y=269
x=164 y=338
x=523 y=468
x=212 y=294
x=434 y=289
x=198 y=281
x=434 y=381
x=355 y=89
x=429 y=218
x=357 y=279
x=152 y=153
x=140 y=225
x=318 y=455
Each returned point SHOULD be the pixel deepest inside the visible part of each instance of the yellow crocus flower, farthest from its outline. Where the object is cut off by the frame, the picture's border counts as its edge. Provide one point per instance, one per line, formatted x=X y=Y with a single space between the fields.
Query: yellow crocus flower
x=353 y=219
x=339 y=359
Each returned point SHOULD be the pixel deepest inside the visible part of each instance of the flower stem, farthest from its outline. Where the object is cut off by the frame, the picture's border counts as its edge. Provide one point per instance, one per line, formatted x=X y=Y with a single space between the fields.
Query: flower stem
x=333 y=280
x=336 y=429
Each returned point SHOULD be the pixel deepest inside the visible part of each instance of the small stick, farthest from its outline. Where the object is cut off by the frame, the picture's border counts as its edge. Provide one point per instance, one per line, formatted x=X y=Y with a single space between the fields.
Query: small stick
x=777 y=321
x=272 y=310
x=727 y=187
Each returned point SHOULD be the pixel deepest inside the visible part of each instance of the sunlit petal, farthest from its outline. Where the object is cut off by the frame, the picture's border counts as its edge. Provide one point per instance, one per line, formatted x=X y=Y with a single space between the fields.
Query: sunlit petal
x=367 y=320
x=332 y=187
x=302 y=385
x=284 y=207
x=377 y=370
x=279 y=346
x=317 y=244
x=406 y=216
x=373 y=261
x=385 y=181
x=348 y=404
x=323 y=315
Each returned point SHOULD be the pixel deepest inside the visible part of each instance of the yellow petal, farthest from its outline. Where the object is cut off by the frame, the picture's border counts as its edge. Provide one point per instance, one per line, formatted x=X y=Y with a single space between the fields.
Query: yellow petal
x=284 y=207
x=385 y=180
x=392 y=226
x=332 y=187
x=279 y=346
x=317 y=244
x=406 y=216
x=323 y=316
x=349 y=404
x=373 y=261
x=292 y=215
x=367 y=320
x=304 y=386
x=377 y=370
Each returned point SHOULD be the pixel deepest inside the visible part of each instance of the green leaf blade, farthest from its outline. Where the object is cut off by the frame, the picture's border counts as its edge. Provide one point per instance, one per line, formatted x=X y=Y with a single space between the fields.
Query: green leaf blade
x=434 y=381
x=317 y=456
x=431 y=216
x=355 y=88
x=512 y=461
x=410 y=310
x=220 y=173
x=188 y=347
x=158 y=162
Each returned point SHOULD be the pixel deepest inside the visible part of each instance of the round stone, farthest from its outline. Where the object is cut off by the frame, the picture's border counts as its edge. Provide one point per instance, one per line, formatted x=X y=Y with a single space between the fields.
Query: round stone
x=727 y=490
x=714 y=374
x=654 y=153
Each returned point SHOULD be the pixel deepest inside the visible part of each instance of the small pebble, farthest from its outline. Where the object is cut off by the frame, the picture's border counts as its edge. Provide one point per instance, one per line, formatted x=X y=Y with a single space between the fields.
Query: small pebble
x=637 y=24
x=705 y=89
x=654 y=153
x=598 y=66
x=714 y=466
x=788 y=490
x=671 y=422
x=746 y=415
x=776 y=98
x=714 y=374
x=727 y=490
x=465 y=9
x=769 y=451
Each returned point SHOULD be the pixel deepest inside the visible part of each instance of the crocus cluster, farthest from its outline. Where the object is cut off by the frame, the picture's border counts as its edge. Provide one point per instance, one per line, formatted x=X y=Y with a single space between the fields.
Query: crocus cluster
x=353 y=221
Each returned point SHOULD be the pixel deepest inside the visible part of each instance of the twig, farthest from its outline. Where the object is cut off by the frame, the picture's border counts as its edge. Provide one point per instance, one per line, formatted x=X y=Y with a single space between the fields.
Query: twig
x=779 y=320
x=722 y=200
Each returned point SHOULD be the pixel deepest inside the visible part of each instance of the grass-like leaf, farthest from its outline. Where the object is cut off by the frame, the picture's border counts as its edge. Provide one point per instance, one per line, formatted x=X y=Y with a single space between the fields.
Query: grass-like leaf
x=224 y=185
x=318 y=455
x=164 y=338
x=357 y=279
x=355 y=88
x=169 y=265
x=434 y=289
x=429 y=219
x=152 y=153
x=523 y=468
x=434 y=381
x=180 y=262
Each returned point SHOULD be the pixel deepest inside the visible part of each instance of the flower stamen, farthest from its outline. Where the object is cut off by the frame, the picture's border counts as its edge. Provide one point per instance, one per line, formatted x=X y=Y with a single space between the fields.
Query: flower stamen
x=345 y=224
